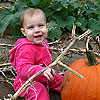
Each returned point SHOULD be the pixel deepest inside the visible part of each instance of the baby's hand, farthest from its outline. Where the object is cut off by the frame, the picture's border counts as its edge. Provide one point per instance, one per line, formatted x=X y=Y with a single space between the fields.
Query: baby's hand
x=49 y=74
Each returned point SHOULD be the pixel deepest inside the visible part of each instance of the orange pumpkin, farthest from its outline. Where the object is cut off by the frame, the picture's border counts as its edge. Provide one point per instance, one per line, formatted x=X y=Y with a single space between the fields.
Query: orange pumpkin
x=74 y=88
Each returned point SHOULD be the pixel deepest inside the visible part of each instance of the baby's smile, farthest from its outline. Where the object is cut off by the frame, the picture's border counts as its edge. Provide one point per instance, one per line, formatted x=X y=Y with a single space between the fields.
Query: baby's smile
x=38 y=36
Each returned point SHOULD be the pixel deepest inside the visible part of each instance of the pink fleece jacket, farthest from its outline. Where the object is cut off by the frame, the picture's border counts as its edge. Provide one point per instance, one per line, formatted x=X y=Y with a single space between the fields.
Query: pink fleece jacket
x=28 y=59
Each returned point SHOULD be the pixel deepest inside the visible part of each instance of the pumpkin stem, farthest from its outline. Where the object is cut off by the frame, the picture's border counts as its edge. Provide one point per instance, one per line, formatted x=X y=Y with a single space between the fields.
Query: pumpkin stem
x=91 y=58
x=90 y=55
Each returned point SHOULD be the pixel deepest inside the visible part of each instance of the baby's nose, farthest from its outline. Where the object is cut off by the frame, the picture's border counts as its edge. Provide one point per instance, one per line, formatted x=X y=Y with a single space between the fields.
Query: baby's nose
x=36 y=29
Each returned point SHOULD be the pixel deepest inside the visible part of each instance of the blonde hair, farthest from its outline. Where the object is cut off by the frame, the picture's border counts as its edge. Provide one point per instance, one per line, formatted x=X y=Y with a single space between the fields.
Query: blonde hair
x=29 y=13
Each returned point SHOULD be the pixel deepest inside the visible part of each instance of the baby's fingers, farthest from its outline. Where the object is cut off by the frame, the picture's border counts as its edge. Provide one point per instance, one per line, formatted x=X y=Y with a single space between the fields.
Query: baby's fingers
x=53 y=72
x=47 y=76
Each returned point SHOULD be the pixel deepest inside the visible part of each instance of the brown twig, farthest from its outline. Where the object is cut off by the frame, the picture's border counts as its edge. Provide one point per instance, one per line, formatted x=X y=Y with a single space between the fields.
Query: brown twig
x=55 y=42
x=73 y=31
x=73 y=71
x=5 y=64
x=96 y=41
x=3 y=69
x=7 y=81
x=9 y=45
x=82 y=51
x=88 y=32
x=76 y=50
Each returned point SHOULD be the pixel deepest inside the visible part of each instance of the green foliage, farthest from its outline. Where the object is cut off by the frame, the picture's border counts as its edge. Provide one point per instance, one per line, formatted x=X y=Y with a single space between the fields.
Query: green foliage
x=54 y=31
x=61 y=14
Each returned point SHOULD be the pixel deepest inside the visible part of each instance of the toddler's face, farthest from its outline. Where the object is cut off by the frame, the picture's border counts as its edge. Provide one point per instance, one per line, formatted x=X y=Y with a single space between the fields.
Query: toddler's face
x=35 y=29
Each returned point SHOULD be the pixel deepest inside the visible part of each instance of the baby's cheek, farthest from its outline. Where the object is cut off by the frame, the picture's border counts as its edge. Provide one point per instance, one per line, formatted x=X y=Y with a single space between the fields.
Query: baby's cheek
x=30 y=33
x=45 y=30
x=45 y=36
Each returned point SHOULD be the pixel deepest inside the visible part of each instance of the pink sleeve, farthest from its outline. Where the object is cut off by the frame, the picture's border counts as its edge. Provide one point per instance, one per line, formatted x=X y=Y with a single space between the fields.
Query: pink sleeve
x=25 y=64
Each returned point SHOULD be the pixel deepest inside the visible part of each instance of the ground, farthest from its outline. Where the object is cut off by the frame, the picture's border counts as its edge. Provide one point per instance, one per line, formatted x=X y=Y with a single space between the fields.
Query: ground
x=7 y=43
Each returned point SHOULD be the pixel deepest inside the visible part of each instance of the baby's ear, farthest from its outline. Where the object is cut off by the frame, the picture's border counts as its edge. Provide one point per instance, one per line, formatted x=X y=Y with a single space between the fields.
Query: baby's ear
x=47 y=25
x=23 y=31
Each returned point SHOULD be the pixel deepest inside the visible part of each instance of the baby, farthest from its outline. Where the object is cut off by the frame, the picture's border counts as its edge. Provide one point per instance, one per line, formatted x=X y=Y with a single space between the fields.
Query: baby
x=32 y=54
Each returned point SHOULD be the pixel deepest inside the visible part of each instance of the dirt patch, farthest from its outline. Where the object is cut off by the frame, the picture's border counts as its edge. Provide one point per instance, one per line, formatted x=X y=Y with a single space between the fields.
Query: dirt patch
x=5 y=5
